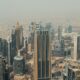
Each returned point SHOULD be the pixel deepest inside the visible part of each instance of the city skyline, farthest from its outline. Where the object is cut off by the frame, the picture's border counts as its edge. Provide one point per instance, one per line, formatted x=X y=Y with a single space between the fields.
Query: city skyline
x=39 y=39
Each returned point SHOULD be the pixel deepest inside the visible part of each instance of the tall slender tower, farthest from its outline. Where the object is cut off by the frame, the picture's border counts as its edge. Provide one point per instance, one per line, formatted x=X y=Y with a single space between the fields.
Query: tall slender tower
x=41 y=55
x=74 y=46
x=1 y=69
x=17 y=40
x=19 y=36
x=59 y=33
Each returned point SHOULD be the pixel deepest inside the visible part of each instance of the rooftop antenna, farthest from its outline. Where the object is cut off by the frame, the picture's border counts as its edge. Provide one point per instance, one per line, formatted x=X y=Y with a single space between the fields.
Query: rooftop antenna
x=9 y=40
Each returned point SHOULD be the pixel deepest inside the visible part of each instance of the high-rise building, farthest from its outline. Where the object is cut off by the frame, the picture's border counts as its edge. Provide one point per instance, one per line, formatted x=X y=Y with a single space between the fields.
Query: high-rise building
x=69 y=29
x=59 y=33
x=73 y=71
x=66 y=44
x=3 y=47
x=42 y=54
x=1 y=69
x=32 y=40
x=12 y=46
x=17 y=40
x=26 y=44
x=4 y=70
x=19 y=68
x=32 y=29
x=78 y=47
x=74 y=47
x=19 y=36
x=19 y=65
x=50 y=28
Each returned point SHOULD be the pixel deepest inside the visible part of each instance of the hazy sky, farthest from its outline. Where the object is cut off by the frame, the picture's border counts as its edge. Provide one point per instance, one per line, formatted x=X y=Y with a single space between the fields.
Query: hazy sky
x=57 y=11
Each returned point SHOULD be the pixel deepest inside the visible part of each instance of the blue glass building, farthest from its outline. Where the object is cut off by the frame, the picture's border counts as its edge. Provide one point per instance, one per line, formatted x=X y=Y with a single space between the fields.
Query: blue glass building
x=19 y=65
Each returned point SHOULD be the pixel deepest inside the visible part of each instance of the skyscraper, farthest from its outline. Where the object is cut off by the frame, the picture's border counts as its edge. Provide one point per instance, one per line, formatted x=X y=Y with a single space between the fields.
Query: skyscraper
x=74 y=46
x=17 y=40
x=59 y=33
x=78 y=47
x=19 y=36
x=32 y=29
x=69 y=29
x=42 y=54
x=19 y=67
x=1 y=69
x=3 y=47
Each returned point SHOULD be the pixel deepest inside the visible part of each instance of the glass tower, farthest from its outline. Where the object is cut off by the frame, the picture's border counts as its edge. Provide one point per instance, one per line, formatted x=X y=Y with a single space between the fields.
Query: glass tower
x=42 y=65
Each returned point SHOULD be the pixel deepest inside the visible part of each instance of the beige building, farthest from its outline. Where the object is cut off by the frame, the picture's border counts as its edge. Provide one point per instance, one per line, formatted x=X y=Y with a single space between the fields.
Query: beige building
x=74 y=47
x=20 y=77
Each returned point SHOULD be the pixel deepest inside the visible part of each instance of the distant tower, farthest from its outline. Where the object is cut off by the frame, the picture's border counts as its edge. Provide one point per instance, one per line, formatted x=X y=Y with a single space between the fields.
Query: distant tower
x=17 y=40
x=74 y=47
x=42 y=54
x=51 y=31
x=26 y=44
x=69 y=29
x=19 y=67
x=19 y=36
x=32 y=29
x=32 y=40
x=9 y=51
x=59 y=33
x=78 y=47
x=1 y=69
x=3 y=47
x=13 y=46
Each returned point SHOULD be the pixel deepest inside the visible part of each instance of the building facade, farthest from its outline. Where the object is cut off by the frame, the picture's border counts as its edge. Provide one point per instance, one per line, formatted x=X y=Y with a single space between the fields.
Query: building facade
x=41 y=55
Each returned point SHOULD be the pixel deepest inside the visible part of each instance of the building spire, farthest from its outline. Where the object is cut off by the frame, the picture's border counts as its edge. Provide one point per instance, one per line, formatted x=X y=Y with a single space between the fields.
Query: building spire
x=17 y=25
x=18 y=52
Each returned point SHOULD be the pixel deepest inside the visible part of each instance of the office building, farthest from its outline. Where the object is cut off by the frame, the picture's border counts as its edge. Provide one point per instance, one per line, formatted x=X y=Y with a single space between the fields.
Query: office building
x=3 y=47
x=19 y=36
x=50 y=28
x=59 y=33
x=78 y=47
x=32 y=41
x=12 y=46
x=70 y=29
x=66 y=44
x=1 y=69
x=32 y=29
x=73 y=71
x=42 y=54
x=4 y=70
x=17 y=40
x=57 y=48
x=19 y=67
x=26 y=44
x=75 y=46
